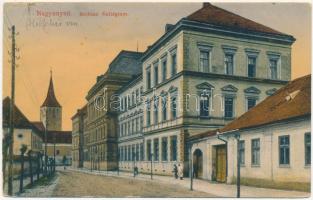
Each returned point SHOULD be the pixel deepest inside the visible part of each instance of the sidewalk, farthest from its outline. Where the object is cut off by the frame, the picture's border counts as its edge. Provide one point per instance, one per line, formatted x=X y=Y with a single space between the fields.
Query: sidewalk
x=218 y=189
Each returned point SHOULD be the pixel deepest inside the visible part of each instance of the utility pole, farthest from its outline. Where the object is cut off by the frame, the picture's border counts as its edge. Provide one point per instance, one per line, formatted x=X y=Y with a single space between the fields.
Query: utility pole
x=54 y=152
x=190 y=167
x=11 y=136
x=151 y=155
x=46 y=160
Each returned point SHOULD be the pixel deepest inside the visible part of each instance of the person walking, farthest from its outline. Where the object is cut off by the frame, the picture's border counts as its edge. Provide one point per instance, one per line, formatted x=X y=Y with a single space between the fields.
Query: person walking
x=175 y=171
x=180 y=171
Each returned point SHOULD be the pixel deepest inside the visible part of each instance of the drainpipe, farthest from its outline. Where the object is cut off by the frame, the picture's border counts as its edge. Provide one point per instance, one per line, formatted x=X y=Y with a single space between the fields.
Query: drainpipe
x=226 y=143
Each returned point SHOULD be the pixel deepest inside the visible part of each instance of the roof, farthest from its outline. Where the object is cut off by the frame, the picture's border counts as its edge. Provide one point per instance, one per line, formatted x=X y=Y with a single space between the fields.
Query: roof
x=213 y=19
x=291 y=101
x=39 y=126
x=61 y=137
x=20 y=120
x=199 y=136
x=211 y=14
x=81 y=111
x=51 y=100
x=126 y=62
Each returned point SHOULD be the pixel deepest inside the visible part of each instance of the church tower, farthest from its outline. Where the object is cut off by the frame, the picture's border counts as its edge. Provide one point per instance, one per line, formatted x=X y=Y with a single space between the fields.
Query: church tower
x=51 y=110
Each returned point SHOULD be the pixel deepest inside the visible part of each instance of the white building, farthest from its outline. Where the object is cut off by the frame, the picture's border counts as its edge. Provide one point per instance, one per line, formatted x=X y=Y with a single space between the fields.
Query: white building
x=274 y=139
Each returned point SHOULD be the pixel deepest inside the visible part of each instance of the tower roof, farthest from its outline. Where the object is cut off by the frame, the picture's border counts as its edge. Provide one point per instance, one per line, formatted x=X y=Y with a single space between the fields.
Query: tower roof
x=51 y=100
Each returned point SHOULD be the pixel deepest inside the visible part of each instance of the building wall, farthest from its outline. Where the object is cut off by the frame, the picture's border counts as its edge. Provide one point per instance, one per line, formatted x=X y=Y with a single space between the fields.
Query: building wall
x=51 y=117
x=269 y=168
x=61 y=150
x=217 y=94
x=242 y=48
x=27 y=137
x=75 y=141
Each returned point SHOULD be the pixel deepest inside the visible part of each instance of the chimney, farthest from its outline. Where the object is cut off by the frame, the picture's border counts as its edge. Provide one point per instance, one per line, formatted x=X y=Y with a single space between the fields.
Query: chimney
x=99 y=78
x=168 y=27
x=206 y=4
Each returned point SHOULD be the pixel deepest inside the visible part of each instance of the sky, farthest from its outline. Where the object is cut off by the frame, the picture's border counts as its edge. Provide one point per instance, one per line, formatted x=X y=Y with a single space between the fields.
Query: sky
x=79 y=48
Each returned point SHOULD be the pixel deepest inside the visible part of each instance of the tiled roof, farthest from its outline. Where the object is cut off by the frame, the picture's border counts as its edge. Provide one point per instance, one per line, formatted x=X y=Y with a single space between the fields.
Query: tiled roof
x=61 y=137
x=39 y=126
x=211 y=14
x=51 y=100
x=126 y=62
x=20 y=120
x=291 y=101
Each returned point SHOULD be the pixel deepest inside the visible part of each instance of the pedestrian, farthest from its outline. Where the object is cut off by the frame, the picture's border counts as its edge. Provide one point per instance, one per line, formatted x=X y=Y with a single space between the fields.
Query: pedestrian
x=180 y=171
x=175 y=171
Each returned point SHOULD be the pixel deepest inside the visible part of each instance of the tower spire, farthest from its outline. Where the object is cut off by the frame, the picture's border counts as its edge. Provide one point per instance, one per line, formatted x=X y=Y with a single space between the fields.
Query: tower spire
x=51 y=100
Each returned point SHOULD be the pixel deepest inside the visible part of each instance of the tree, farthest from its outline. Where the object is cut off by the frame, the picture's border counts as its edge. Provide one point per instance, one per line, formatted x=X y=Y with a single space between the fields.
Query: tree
x=22 y=150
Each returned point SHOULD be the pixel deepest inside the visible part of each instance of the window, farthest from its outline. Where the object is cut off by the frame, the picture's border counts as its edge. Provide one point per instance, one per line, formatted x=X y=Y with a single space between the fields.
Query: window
x=148 y=114
x=156 y=74
x=137 y=96
x=133 y=126
x=133 y=98
x=173 y=148
x=129 y=128
x=156 y=112
x=164 y=149
x=141 y=92
x=273 y=68
x=149 y=153
x=129 y=153
x=141 y=151
x=174 y=107
x=58 y=152
x=164 y=69
x=229 y=107
x=229 y=64
x=156 y=149
x=204 y=61
x=255 y=147
x=251 y=102
x=133 y=154
x=307 y=146
x=242 y=152
x=164 y=108
x=141 y=122
x=284 y=151
x=174 y=63
x=148 y=79
x=137 y=124
x=204 y=106
x=251 y=66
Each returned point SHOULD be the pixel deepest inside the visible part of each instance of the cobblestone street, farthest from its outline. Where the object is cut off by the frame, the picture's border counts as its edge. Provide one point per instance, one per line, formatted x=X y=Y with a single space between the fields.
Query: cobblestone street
x=76 y=184
x=83 y=183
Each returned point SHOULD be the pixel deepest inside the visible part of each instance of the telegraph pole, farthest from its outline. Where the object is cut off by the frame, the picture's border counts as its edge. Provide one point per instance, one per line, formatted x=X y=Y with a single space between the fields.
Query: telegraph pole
x=46 y=160
x=11 y=138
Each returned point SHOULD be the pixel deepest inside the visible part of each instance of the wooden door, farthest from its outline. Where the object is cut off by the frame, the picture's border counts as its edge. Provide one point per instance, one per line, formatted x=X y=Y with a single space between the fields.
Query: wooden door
x=221 y=163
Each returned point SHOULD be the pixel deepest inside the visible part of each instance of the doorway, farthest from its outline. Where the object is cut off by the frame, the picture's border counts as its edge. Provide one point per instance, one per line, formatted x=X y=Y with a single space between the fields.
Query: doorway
x=198 y=164
x=220 y=166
